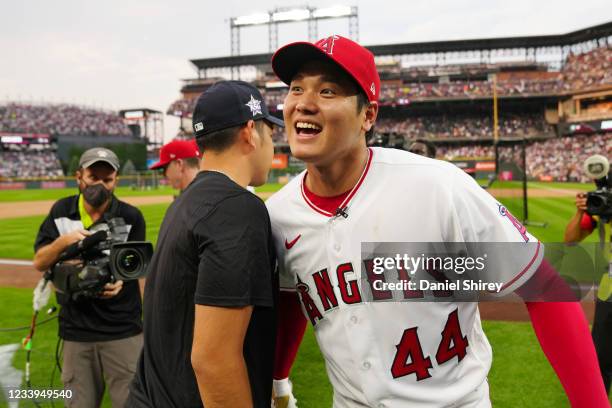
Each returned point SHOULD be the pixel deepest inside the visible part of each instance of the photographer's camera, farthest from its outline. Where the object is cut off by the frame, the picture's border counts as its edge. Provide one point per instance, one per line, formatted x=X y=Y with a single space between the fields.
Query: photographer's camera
x=599 y=202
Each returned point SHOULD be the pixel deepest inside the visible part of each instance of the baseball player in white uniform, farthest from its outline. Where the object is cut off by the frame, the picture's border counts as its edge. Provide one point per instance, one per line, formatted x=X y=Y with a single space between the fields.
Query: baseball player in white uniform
x=394 y=353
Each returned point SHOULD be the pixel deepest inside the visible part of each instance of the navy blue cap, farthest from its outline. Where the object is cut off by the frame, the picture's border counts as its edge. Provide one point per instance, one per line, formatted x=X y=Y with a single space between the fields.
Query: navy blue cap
x=227 y=104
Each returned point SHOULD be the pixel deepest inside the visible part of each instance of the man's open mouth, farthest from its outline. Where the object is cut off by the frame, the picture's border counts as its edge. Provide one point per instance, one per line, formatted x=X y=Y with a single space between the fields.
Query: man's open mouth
x=307 y=128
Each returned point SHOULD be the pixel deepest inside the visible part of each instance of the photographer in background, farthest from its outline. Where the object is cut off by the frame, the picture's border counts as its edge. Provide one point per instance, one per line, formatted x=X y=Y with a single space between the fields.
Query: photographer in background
x=180 y=162
x=581 y=226
x=102 y=335
x=423 y=147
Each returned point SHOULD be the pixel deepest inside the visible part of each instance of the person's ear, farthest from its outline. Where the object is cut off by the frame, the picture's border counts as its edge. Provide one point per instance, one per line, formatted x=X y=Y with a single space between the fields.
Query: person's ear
x=250 y=135
x=371 y=113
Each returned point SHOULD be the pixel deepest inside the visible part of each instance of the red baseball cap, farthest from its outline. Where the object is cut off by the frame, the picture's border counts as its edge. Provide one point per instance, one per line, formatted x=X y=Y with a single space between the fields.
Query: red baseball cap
x=176 y=149
x=353 y=58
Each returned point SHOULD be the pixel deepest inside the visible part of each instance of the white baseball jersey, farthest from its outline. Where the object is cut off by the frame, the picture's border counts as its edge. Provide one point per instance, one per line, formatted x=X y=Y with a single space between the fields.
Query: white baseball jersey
x=394 y=354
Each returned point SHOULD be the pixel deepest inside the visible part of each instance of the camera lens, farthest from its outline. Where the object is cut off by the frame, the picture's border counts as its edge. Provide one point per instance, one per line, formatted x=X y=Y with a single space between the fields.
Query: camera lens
x=597 y=202
x=129 y=261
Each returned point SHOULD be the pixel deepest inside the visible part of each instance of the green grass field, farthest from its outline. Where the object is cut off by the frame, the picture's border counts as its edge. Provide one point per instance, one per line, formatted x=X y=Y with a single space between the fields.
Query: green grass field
x=510 y=377
x=520 y=376
x=57 y=193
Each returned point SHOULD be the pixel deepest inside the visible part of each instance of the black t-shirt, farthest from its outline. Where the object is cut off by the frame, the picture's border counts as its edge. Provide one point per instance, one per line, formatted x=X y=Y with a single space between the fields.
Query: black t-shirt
x=214 y=248
x=96 y=319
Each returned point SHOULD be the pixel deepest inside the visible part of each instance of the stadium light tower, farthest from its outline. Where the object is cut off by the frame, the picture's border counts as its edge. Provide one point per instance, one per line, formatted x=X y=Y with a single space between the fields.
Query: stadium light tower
x=291 y=15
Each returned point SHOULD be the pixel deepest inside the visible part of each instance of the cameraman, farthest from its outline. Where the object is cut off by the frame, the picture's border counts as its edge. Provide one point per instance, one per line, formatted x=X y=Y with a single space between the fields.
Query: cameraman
x=102 y=336
x=581 y=226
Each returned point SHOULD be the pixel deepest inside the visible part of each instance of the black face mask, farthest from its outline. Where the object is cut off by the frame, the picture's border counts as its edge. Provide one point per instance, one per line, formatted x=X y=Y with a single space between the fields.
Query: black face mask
x=96 y=195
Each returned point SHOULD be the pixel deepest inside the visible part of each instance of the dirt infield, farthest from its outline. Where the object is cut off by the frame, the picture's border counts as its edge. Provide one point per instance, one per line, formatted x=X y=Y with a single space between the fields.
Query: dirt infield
x=540 y=192
x=29 y=208
x=25 y=276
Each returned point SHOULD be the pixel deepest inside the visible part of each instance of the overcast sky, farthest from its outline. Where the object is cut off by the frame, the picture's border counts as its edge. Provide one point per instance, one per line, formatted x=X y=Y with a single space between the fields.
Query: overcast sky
x=121 y=54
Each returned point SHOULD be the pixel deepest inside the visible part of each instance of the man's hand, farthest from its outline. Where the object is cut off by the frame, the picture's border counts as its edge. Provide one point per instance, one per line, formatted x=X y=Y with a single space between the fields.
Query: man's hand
x=282 y=394
x=111 y=289
x=46 y=256
x=574 y=232
x=581 y=202
x=75 y=236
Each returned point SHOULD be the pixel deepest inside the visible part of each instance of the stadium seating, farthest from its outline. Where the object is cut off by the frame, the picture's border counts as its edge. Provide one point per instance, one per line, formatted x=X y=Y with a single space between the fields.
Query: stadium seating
x=29 y=163
x=561 y=158
x=60 y=120
x=558 y=158
x=465 y=126
x=589 y=69
x=580 y=71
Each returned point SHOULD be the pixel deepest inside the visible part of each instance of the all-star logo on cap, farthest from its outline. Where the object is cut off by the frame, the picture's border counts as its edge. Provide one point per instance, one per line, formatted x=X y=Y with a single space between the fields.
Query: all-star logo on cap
x=254 y=105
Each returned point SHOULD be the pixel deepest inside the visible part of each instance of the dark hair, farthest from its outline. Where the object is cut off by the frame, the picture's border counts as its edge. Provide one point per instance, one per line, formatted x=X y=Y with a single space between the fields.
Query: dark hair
x=218 y=140
x=192 y=162
x=222 y=139
x=429 y=146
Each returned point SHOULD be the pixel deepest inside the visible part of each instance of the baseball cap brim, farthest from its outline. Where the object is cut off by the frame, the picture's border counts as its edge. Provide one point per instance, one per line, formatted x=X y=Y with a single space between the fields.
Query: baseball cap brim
x=159 y=165
x=274 y=120
x=287 y=60
x=99 y=159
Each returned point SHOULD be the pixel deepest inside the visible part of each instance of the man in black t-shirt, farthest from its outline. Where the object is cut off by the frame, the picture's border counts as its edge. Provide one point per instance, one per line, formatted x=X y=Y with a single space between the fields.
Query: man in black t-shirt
x=209 y=304
x=102 y=335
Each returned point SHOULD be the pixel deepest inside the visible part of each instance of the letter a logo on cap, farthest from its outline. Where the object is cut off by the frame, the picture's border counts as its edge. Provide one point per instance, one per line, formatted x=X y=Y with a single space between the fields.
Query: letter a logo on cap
x=327 y=44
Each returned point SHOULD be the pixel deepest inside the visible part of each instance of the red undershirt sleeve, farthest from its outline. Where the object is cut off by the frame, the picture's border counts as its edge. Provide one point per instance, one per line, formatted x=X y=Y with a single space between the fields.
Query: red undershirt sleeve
x=563 y=333
x=290 y=331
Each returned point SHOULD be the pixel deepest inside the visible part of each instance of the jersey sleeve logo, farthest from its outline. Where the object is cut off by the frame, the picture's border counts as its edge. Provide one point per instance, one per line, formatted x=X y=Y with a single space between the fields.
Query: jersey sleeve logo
x=520 y=227
x=289 y=245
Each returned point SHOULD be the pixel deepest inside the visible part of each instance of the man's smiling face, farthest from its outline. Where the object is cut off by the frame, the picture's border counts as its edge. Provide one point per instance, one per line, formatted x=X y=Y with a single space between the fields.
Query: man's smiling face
x=321 y=114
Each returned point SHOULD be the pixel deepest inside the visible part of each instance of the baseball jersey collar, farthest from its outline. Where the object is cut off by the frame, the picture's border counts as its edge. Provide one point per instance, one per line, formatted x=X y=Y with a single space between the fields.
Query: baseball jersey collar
x=349 y=195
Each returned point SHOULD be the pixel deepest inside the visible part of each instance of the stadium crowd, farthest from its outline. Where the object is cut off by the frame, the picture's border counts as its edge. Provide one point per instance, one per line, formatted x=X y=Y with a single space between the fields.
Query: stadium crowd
x=583 y=70
x=465 y=126
x=561 y=158
x=182 y=107
x=558 y=158
x=403 y=94
x=60 y=119
x=30 y=163
x=463 y=152
x=588 y=69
